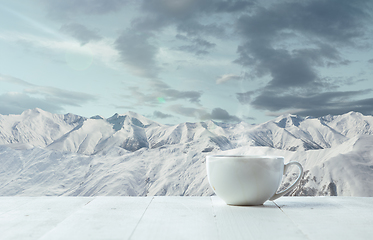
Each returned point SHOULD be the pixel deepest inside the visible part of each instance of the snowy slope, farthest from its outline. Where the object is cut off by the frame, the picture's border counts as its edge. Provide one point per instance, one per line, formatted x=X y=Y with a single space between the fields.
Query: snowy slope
x=36 y=127
x=127 y=154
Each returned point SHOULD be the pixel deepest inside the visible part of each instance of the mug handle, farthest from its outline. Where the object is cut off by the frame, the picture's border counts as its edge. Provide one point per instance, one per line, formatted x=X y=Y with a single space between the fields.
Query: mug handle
x=277 y=195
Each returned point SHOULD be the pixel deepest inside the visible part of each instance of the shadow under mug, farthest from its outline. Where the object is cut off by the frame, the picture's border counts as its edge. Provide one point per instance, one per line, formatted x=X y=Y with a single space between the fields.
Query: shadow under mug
x=248 y=180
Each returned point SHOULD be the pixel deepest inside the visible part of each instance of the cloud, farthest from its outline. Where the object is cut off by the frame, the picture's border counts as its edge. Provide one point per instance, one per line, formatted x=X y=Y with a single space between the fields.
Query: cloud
x=189 y=15
x=158 y=114
x=284 y=44
x=245 y=98
x=183 y=10
x=16 y=103
x=51 y=49
x=324 y=24
x=158 y=93
x=80 y=32
x=218 y=114
x=13 y=80
x=137 y=53
x=364 y=106
x=223 y=115
x=198 y=113
x=137 y=49
x=233 y=6
x=35 y=96
x=289 y=42
x=60 y=96
x=227 y=77
x=69 y=9
x=197 y=45
x=173 y=94
x=334 y=20
x=164 y=91
x=316 y=105
x=287 y=69
x=193 y=28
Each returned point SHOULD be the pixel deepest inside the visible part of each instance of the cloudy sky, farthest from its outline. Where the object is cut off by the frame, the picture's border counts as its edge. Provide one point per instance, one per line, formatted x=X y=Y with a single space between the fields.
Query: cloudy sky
x=187 y=60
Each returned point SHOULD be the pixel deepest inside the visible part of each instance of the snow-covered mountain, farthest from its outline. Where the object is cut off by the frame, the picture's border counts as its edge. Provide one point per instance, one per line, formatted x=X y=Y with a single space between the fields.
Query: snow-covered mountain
x=36 y=127
x=127 y=154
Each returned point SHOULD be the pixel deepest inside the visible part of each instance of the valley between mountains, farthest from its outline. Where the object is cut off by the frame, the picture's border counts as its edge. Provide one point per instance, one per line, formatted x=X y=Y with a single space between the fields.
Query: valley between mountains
x=45 y=154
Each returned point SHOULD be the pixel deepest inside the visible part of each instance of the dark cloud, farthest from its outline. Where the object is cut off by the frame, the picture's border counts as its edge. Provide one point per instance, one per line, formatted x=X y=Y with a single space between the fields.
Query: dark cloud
x=158 y=92
x=193 y=28
x=290 y=72
x=198 y=113
x=170 y=10
x=344 y=81
x=338 y=21
x=233 y=6
x=286 y=43
x=333 y=22
x=158 y=114
x=197 y=45
x=33 y=96
x=218 y=114
x=69 y=9
x=137 y=53
x=288 y=69
x=364 y=107
x=290 y=41
x=166 y=93
x=370 y=60
x=186 y=16
x=316 y=105
x=223 y=115
x=182 y=10
x=320 y=55
x=245 y=98
x=275 y=102
x=172 y=95
x=80 y=32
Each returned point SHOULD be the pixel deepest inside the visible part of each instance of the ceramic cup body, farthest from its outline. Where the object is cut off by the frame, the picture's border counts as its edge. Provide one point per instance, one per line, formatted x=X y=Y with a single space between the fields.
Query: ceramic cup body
x=245 y=180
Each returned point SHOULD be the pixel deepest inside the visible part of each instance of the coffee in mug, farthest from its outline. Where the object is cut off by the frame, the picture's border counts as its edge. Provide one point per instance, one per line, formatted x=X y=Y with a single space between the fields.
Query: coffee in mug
x=248 y=180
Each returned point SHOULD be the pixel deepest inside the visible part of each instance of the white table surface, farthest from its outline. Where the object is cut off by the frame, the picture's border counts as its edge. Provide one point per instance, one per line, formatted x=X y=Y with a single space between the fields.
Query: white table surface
x=184 y=218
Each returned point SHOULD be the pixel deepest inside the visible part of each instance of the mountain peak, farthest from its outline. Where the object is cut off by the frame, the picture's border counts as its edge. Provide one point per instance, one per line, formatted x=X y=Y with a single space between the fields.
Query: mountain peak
x=34 y=111
x=128 y=114
x=116 y=115
x=340 y=152
x=131 y=118
x=288 y=120
x=353 y=114
x=97 y=117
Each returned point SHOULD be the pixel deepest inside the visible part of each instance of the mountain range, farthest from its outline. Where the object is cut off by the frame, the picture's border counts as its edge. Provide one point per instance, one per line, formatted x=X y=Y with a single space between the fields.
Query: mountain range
x=43 y=154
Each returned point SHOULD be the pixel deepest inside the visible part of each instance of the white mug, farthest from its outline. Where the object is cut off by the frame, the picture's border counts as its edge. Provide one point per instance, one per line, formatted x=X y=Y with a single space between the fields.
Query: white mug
x=248 y=180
